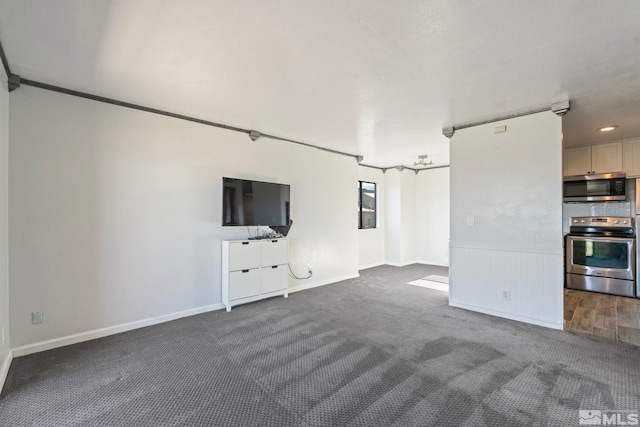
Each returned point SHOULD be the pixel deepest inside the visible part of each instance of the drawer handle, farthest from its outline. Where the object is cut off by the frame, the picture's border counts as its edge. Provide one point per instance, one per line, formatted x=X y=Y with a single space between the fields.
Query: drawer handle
x=274 y=266
x=245 y=243
x=245 y=271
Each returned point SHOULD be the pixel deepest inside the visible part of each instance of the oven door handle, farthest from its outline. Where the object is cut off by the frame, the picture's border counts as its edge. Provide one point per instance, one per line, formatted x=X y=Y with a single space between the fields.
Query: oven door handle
x=603 y=239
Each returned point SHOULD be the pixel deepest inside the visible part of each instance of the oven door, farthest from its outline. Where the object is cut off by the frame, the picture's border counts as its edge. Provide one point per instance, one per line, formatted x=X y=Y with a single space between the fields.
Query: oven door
x=612 y=257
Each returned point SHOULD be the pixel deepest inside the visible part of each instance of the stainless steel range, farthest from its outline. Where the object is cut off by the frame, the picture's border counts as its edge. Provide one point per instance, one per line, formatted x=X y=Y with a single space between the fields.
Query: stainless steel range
x=601 y=255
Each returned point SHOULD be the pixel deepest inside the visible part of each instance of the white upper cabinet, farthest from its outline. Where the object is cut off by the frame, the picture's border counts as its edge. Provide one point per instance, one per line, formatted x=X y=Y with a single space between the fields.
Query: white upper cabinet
x=576 y=161
x=600 y=158
x=632 y=158
x=607 y=158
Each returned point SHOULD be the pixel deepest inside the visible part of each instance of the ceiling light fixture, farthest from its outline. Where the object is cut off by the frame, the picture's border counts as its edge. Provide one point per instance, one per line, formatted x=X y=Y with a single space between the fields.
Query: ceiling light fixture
x=423 y=160
x=608 y=128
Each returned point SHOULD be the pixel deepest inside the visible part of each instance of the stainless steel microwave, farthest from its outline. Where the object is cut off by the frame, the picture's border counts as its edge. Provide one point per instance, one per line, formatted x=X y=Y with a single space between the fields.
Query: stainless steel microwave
x=593 y=188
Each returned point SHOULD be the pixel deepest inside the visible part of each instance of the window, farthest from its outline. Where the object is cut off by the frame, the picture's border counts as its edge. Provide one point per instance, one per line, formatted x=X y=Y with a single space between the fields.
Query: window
x=366 y=204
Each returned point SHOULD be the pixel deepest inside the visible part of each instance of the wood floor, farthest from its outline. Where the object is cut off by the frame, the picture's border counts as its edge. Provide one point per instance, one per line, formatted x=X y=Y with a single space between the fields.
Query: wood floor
x=606 y=316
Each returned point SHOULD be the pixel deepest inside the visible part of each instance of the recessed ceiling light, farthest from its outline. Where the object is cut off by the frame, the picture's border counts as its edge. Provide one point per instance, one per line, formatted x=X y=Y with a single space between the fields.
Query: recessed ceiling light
x=608 y=128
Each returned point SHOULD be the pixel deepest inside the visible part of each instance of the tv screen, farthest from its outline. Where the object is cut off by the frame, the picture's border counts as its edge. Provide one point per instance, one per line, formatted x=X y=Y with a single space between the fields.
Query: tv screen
x=247 y=202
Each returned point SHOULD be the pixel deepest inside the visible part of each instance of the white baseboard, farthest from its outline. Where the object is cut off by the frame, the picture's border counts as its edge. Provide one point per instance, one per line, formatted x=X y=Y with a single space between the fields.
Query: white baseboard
x=432 y=263
x=509 y=316
x=324 y=282
x=403 y=264
x=364 y=267
x=4 y=368
x=110 y=330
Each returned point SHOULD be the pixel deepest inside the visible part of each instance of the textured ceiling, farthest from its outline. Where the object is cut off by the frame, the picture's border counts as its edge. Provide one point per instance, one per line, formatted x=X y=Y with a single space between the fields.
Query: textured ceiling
x=370 y=77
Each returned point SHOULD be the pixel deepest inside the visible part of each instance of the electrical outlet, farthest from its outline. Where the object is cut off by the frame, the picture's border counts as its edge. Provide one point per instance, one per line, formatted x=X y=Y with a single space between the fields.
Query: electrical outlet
x=36 y=317
x=309 y=269
x=471 y=221
x=506 y=295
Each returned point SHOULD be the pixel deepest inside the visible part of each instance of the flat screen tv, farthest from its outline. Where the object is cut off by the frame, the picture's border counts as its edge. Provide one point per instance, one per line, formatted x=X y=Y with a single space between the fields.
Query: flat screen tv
x=252 y=203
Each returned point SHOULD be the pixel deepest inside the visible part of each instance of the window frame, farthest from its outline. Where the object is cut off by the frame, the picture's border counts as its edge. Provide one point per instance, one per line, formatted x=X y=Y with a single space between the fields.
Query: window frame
x=375 y=207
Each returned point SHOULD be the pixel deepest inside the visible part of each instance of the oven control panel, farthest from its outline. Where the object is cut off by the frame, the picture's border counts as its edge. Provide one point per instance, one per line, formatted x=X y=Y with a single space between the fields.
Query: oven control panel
x=602 y=221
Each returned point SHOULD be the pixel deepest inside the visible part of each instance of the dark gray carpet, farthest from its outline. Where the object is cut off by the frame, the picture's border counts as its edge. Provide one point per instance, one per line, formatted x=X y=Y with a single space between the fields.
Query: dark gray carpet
x=371 y=351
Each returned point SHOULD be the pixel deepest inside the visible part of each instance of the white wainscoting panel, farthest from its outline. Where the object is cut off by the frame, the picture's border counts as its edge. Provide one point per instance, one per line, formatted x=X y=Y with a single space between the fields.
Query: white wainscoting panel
x=533 y=280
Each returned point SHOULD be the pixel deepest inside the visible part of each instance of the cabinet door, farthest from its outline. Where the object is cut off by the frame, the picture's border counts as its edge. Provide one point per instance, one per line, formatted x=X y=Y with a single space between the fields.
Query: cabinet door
x=576 y=161
x=607 y=157
x=632 y=158
x=244 y=255
x=244 y=283
x=274 y=252
x=274 y=278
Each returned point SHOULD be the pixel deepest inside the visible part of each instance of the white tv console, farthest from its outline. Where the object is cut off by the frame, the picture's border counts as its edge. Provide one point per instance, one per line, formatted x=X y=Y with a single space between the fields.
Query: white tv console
x=254 y=270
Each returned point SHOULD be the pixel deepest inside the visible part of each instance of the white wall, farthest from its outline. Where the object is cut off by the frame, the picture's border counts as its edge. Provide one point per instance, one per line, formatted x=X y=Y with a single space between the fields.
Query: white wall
x=432 y=216
x=116 y=214
x=414 y=218
x=400 y=211
x=4 y=230
x=393 y=216
x=371 y=240
x=408 y=216
x=510 y=184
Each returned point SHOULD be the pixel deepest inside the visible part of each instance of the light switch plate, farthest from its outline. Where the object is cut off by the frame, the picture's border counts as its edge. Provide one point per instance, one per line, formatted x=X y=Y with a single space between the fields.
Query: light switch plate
x=36 y=317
